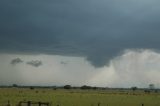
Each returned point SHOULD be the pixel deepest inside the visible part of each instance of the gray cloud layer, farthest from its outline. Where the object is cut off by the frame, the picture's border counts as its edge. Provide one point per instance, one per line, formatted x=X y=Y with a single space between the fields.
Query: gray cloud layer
x=97 y=30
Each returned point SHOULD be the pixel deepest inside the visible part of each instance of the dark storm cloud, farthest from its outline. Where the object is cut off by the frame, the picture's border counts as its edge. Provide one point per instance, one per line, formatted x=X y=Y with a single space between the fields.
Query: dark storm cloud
x=35 y=63
x=96 y=29
x=16 y=61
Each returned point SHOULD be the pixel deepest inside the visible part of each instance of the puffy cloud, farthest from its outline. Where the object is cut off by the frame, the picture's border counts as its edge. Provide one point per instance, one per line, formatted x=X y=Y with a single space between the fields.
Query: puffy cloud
x=64 y=62
x=35 y=63
x=16 y=61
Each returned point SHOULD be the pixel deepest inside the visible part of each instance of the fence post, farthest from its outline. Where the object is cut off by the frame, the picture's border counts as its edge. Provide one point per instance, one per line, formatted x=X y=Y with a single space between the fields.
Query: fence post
x=8 y=103
x=39 y=103
x=47 y=104
x=99 y=104
x=29 y=103
x=19 y=104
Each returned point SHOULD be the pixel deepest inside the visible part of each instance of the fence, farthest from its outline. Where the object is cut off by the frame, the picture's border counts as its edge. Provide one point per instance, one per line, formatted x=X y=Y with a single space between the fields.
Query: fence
x=30 y=103
x=33 y=103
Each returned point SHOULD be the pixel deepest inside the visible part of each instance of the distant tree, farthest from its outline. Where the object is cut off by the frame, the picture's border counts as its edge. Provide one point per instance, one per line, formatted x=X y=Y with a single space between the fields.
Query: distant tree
x=74 y=87
x=67 y=87
x=151 y=86
x=31 y=87
x=85 y=87
x=134 y=88
x=14 y=85
x=54 y=88
x=94 y=88
x=147 y=91
x=156 y=91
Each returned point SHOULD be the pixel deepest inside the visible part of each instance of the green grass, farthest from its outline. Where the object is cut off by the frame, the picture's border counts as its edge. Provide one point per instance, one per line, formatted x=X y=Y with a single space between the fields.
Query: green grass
x=79 y=97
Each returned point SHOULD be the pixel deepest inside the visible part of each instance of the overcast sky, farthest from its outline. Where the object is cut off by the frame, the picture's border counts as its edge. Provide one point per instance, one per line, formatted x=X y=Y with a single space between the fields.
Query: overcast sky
x=93 y=37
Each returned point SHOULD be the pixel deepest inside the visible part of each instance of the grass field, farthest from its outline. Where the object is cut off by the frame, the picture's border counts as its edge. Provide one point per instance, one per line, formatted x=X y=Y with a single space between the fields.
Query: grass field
x=63 y=97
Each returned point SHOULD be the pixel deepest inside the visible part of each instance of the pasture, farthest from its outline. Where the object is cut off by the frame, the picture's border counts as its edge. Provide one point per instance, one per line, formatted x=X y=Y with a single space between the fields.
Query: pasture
x=61 y=97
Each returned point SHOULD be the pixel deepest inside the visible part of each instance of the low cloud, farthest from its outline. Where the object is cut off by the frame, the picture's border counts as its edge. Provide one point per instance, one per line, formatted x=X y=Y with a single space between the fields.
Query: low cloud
x=35 y=63
x=16 y=61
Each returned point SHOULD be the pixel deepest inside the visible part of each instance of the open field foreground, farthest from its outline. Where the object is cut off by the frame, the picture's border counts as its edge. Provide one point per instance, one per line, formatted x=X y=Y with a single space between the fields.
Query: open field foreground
x=62 y=97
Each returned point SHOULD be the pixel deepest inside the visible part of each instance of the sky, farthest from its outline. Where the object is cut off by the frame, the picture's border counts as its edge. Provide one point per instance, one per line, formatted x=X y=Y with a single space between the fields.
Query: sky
x=109 y=43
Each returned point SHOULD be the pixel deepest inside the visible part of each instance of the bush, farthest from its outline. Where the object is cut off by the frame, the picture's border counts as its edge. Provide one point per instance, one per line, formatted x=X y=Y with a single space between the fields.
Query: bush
x=85 y=87
x=67 y=87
